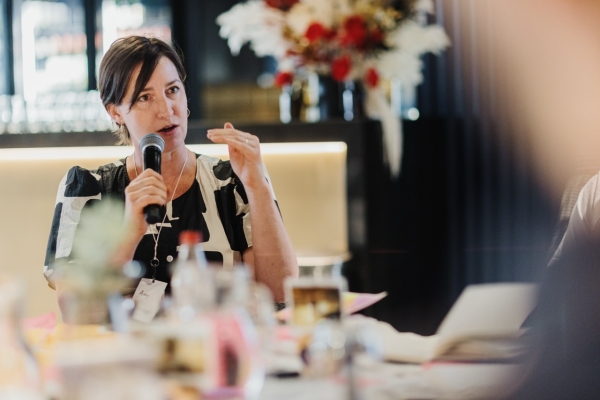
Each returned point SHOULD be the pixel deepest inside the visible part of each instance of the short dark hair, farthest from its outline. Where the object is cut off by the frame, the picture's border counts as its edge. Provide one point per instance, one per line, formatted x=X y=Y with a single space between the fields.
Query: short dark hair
x=119 y=62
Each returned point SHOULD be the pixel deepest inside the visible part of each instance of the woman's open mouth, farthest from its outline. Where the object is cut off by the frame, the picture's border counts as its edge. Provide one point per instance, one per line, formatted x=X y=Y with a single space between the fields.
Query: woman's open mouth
x=168 y=129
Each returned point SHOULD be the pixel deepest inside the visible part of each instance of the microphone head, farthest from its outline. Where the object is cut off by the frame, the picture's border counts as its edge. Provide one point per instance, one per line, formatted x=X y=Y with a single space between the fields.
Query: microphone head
x=152 y=139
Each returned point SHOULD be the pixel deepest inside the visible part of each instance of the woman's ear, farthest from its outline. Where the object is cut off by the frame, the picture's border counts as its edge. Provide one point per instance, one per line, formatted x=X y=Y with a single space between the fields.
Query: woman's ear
x=115 y=114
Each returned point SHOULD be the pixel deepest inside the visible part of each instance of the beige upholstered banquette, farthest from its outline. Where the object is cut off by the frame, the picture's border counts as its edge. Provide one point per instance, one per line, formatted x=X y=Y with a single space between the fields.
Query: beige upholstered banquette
x=309 y=181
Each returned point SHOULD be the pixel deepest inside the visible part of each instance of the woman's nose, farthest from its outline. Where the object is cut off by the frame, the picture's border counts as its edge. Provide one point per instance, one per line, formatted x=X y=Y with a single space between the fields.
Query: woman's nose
x=164 y=107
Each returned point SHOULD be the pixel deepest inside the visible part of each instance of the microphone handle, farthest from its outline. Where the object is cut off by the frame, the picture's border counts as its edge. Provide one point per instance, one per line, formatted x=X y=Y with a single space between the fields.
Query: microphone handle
x=152 y=213
x=151 y=159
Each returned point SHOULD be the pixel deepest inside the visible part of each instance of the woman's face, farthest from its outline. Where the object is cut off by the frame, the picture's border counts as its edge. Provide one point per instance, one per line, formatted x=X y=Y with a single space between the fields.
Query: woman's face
x=160 y=108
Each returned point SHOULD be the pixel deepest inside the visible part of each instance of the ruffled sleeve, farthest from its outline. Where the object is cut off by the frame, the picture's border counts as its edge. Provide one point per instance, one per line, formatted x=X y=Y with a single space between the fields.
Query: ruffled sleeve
x=77 y=188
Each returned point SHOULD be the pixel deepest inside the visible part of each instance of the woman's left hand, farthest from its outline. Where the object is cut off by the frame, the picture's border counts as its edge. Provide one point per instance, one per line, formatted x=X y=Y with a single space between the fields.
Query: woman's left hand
x=244 y=154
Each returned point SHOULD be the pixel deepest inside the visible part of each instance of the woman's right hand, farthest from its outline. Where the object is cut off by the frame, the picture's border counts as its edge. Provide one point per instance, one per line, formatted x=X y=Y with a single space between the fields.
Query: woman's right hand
x=147 y=188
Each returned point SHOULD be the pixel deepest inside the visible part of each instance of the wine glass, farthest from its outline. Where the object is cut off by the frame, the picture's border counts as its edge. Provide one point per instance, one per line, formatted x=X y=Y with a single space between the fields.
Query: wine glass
x=347 y=348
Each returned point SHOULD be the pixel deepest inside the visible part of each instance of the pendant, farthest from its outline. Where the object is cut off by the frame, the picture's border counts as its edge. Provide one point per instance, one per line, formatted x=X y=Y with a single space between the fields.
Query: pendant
x=154 y=264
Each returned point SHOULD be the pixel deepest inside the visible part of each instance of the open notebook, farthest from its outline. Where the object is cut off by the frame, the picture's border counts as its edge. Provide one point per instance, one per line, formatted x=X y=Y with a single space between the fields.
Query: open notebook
x=483 y=324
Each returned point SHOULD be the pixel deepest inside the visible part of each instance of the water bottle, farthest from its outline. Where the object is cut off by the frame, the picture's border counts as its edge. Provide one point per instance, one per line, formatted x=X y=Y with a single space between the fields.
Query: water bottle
x=192 y=290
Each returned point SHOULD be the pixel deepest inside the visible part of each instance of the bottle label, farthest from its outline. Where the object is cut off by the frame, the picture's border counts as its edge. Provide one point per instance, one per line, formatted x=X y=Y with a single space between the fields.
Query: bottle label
x=147 y=298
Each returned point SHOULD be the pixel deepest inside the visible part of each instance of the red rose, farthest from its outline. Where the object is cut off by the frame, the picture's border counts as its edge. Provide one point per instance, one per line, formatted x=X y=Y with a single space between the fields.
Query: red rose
x=355 y=31
x=372 y=77
x=376 y=36
x=283 y=5
x=330 y=34
x=340 y=68
x=283 y=78
x=316 y=31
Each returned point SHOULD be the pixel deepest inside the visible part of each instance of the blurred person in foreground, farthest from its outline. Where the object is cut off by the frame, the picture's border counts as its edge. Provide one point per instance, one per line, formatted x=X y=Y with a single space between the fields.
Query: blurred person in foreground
x=565 y=361
x=141 y=84
x=551 y=52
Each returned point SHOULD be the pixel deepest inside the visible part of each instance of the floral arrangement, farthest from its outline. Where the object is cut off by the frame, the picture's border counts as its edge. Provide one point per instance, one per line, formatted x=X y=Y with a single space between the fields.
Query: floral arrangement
x=365 y=40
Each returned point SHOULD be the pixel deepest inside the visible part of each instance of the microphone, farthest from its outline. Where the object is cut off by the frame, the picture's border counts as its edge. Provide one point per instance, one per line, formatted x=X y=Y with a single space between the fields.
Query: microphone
x=152 y=146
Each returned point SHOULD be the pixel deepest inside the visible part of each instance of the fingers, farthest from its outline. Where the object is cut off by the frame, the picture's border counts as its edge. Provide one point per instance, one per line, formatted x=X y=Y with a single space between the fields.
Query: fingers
x=238 y=139
x=147 y=188
x=142 y=198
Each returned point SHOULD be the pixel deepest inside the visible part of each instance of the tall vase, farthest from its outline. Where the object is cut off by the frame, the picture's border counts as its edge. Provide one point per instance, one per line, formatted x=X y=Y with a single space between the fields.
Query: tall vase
x=352 y=100
x=311 y=98
x=331 y=104
x=325 y=98
x=290 y=102
x=402 y=99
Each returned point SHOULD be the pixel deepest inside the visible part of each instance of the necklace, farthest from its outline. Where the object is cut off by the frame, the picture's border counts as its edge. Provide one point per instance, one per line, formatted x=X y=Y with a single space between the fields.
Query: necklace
x=154 y=262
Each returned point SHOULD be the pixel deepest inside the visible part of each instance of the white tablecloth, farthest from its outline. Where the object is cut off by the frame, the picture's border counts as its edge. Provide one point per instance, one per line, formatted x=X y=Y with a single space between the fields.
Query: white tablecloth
x=382 y=381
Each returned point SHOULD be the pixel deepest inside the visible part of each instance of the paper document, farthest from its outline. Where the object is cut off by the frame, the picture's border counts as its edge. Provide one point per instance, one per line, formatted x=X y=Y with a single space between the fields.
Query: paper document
x=484 y=323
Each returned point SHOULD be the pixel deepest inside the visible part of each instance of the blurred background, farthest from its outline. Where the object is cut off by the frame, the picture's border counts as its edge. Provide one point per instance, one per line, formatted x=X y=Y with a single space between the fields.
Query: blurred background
x=485 y=161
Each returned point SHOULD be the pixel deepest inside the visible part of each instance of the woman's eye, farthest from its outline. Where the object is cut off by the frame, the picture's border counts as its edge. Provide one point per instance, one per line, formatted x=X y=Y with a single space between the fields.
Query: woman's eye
x=143 y=97
x=173 y=89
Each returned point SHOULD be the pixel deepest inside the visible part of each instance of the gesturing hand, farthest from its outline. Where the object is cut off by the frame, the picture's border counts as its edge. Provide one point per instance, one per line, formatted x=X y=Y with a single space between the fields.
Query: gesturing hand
x=244 y=154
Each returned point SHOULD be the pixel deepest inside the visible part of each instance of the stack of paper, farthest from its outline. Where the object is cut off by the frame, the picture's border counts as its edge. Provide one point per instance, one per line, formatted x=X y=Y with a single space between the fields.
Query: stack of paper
x=485 y=323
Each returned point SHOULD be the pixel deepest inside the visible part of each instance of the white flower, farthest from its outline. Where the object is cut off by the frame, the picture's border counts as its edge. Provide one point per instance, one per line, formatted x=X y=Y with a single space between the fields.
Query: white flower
x=414 y=38
x=271 y=31
x=409 y=42
x=327 y=13
x=256 y=23
x=402 y=65
x=263 y=27
x=286 y=65
x=425 y=6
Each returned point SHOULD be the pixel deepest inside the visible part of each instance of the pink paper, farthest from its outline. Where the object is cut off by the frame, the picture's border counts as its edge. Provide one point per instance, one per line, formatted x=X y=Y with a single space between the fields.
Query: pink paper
x=352 y=302
x=44 y=321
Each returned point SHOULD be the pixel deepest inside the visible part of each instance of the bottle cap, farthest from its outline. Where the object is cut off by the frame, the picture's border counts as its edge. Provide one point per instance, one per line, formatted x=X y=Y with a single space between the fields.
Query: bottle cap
x=190 y=237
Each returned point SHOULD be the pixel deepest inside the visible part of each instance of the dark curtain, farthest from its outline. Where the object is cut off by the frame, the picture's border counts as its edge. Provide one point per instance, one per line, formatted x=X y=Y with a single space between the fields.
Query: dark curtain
x=500 y=216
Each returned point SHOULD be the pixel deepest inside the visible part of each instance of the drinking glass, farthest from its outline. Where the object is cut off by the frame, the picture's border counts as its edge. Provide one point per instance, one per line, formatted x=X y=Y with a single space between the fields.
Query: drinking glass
x=313 y=298
x=346 y=349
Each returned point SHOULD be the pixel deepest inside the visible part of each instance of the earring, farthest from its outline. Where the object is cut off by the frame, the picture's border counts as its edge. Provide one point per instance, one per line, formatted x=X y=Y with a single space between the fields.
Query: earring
x=188 y=112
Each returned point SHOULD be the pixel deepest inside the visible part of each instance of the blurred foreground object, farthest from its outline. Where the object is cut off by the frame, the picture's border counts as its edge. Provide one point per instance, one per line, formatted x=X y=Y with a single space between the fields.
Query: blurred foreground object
x=89 y=283
x=107 y=367
x=191 y=284
x=19 y=372
x=212 y=331
x=351 y=303
x=565 y=363
x=547 y=62
x=485 y=324
x=311 y=299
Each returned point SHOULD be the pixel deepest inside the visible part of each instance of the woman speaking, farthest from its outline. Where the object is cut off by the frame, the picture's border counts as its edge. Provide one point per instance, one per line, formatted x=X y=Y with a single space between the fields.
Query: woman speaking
x=141 y=84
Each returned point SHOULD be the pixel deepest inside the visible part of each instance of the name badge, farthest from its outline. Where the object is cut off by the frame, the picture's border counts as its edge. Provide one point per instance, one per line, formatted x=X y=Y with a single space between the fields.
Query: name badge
x=147 y=298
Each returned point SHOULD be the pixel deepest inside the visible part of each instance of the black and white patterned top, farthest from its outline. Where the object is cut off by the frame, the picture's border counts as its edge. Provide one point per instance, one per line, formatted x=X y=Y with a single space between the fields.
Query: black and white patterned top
x=216 y=205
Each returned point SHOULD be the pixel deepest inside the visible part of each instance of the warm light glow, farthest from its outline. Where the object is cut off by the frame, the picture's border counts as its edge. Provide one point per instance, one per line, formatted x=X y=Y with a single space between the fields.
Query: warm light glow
x=116 y=152
x=277 y=148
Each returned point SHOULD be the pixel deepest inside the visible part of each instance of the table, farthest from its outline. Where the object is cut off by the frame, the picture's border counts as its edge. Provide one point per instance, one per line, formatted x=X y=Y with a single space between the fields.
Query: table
x=390 y=381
